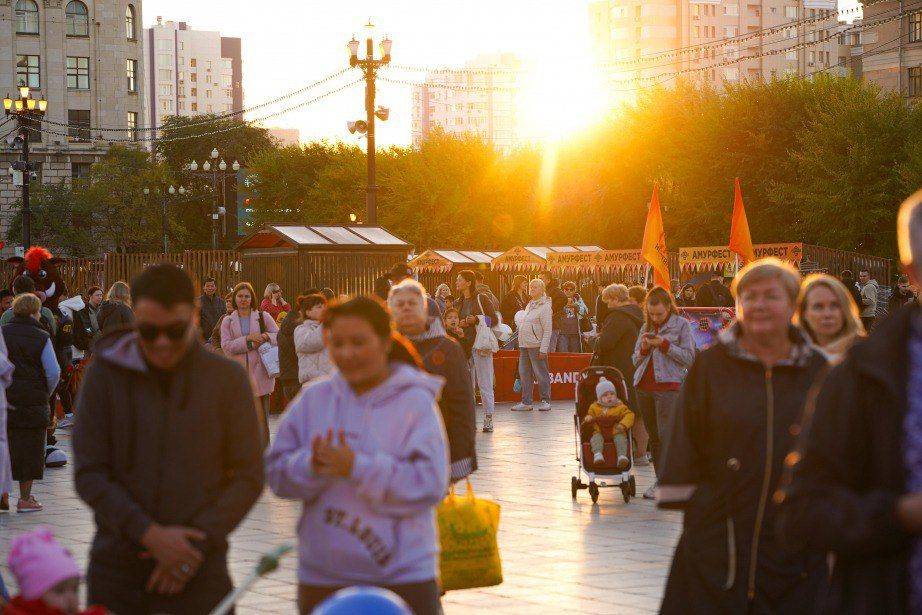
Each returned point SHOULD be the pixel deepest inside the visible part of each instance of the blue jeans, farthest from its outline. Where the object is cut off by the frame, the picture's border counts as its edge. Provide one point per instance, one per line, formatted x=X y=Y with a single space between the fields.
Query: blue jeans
x=531 y=368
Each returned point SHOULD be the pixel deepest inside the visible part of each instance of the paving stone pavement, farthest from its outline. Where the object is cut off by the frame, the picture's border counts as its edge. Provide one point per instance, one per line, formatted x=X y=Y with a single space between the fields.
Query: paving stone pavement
x=559 y=556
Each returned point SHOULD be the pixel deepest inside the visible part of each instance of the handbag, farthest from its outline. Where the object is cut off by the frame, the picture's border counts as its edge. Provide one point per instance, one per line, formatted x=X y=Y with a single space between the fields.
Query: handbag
x=502 y=331
x=467 y=533
x=485 y=341
x=268 y=353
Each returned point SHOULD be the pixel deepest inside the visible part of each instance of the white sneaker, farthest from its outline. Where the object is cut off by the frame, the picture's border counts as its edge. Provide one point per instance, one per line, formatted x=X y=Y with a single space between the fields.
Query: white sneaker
x=543 y=406
x=598 y=458
x=67 y=421
x=650 y=494
x=522 y=407
x=488 y=424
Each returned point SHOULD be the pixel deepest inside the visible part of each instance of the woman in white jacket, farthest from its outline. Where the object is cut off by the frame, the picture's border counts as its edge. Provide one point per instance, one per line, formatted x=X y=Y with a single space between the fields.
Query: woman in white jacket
x=313 y=360
x=534 y=327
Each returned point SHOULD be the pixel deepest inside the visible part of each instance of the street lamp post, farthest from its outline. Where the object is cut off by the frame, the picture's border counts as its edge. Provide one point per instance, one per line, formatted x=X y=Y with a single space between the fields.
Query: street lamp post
x=164 y=217
x=213 y=169
x=27 y=111
x=369 y=66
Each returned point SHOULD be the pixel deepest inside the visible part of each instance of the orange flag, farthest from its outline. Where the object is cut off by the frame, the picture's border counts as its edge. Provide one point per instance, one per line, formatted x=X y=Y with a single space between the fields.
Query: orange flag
x=653 y=249
x=740 y=239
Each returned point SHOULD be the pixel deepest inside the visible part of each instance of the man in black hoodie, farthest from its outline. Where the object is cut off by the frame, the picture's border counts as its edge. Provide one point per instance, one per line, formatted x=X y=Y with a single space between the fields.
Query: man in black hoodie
x=618 y=335
x=167 y=454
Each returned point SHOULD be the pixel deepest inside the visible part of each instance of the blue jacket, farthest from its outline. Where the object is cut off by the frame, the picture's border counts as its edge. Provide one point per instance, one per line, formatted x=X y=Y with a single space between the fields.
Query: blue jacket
x=377 y=526
x=671 y=366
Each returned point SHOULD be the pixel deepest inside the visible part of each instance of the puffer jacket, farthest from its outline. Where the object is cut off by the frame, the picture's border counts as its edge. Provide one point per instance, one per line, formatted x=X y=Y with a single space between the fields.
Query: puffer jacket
x=313 y=359
x=535 y=323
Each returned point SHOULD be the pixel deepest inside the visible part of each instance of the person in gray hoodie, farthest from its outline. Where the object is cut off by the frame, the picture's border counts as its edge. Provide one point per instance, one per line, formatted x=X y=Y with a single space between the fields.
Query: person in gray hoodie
x=365 y=451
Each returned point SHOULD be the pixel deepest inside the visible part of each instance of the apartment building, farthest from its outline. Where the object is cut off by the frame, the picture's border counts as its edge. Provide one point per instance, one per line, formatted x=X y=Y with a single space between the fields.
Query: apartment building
x=190 y=72
x=480 y=99
x=285 y=136
x=757 y=40
x=893 y=46
x=85 y=58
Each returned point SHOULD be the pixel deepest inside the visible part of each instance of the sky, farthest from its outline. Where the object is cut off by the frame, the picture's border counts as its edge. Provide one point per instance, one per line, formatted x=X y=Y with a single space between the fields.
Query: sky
x=289 y=44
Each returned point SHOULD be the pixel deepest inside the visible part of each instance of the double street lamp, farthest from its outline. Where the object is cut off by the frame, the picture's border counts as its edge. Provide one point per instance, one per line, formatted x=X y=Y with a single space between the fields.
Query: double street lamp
x=369 y=66
x=28 y=112
x=165 y=196
x=214 y=169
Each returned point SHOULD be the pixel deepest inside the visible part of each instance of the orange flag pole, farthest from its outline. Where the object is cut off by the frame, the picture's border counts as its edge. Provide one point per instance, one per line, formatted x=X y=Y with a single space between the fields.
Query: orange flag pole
x=653 y=248
x=740 y=239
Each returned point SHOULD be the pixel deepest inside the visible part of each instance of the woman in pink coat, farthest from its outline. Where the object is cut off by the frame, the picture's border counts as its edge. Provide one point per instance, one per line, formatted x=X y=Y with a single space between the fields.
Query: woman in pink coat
x=241 y=337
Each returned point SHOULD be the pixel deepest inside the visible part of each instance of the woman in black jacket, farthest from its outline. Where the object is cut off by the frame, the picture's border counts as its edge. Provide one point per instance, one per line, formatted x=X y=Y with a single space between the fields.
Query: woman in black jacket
x=444 y=357
x=115 y=312
x=35 y=376
x=515 y=300
x=735 y=422
x=618 y=335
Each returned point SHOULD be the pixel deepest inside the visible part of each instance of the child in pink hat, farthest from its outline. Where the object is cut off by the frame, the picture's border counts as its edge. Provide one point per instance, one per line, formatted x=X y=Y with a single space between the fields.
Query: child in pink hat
x=47 y=575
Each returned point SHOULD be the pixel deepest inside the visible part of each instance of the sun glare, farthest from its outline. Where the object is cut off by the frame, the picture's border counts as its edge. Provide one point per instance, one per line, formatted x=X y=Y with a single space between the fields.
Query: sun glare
x=561 y=98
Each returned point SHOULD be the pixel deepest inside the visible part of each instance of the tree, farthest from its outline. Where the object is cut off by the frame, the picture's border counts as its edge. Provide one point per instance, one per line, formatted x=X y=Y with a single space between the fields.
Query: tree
x=61 y=216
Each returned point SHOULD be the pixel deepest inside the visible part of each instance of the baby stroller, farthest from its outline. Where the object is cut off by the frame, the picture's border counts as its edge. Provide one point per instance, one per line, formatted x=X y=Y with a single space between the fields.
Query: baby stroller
x=606 y=474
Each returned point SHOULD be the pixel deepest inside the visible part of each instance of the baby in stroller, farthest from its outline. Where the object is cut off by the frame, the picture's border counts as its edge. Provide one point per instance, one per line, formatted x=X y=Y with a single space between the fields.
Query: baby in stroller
x=610 y=417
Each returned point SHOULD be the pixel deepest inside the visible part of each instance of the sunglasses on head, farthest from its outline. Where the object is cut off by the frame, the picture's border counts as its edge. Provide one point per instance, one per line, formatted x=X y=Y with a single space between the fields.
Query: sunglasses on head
x=174 y=332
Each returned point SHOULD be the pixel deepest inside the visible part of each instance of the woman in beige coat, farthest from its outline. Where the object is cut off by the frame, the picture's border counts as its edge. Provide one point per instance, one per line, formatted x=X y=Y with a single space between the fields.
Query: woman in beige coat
x=534 y=326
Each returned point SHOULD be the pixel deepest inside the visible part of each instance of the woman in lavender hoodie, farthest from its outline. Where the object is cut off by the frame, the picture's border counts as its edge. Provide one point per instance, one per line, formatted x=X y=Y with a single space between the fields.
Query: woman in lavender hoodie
x=365 y=450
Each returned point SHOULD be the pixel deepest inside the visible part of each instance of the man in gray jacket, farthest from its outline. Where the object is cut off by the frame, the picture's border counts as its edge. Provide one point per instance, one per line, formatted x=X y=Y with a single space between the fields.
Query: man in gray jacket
x=167 y=455
x=869 y=289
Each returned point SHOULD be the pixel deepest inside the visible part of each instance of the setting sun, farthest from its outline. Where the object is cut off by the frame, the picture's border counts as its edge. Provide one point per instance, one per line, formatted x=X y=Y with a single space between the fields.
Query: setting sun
x=561 y=97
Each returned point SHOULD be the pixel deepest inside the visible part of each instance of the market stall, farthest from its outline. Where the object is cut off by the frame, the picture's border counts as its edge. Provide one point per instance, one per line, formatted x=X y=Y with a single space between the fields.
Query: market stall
x=344 y=258
x=434 y=267
x=697 y=263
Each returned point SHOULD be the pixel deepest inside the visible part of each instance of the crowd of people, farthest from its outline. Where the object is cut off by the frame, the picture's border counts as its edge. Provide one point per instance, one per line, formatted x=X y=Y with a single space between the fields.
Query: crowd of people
x=793 y=444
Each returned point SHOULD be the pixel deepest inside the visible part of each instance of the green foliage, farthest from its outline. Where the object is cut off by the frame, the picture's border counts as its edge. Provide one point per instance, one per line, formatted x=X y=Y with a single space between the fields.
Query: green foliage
x=825 y=161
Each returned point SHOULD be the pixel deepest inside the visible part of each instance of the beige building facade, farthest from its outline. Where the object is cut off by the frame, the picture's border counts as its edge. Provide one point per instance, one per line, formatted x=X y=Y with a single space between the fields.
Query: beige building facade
x=713 y=41
x=85 y=58
x=896 y=62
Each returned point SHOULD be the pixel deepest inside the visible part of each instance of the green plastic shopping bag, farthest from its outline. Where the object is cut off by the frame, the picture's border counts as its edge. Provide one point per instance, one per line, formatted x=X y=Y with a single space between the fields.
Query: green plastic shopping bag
x=467 y=532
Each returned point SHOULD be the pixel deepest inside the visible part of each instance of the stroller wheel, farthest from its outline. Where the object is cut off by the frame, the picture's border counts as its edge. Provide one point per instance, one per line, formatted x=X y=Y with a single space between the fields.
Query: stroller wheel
x=626 y=492
x=594 y=492
x=633 y=484
x=574 y=486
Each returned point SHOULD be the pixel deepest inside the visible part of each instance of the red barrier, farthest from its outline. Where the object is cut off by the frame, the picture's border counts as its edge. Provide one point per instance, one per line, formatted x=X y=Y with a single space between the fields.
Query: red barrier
x=564 y=369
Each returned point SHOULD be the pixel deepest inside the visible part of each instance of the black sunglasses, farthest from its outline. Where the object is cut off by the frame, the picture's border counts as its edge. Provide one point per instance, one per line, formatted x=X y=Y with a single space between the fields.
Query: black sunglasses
x=174 y=332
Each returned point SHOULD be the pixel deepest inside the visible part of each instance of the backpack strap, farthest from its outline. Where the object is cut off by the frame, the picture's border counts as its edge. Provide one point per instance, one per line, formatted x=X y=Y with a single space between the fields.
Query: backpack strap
x=262 y=323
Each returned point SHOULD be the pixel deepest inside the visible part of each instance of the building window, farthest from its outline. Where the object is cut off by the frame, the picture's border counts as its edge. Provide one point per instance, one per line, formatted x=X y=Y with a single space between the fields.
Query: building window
x=915 y=81
x=915 y=27
x=166 y=89
x=132 y=73
x=194 y=92
x=192 y=62
x=195 y=106
x=78 y=73
x=207 y=93
x=28 y=71
x=133 y=124
x=80 y=170
x=193 y=77
x=79 y=121
x=26 y=17
x=130 y=31
x=78 y=19
x=165 y=75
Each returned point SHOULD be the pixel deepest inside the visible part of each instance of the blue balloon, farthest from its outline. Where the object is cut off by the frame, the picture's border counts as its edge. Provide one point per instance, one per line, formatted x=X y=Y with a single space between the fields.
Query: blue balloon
x=363 y=601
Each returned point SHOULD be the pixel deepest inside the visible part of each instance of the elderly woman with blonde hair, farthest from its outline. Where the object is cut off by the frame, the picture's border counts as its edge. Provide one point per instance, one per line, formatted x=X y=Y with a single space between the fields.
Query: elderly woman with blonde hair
x=829 y=315
x=115 y=312
x=736 y=419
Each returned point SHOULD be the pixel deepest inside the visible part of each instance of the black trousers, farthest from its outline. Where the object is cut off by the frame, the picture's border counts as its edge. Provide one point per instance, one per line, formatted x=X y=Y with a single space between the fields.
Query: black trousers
x=423 y=598
x=121 y=588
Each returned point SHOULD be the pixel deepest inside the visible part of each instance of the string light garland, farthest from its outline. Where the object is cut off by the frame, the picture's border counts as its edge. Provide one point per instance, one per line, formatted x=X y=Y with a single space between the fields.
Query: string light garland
x=662 y=77
x=213 y=132
x=223 y=116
